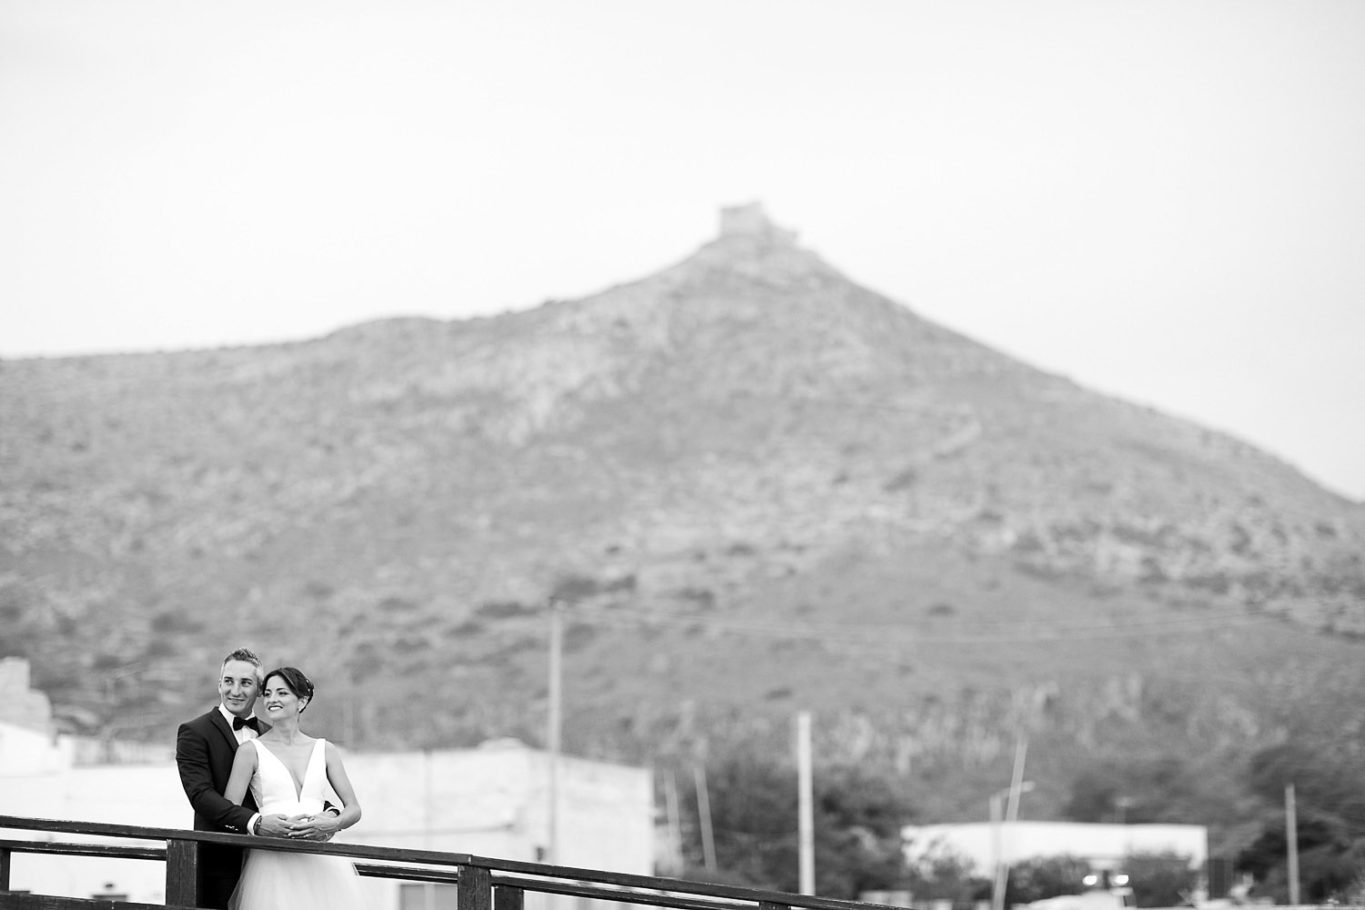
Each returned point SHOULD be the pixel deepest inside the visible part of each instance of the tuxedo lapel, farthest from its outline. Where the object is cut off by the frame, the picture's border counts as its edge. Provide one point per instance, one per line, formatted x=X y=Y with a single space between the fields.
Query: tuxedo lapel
x=224 y=728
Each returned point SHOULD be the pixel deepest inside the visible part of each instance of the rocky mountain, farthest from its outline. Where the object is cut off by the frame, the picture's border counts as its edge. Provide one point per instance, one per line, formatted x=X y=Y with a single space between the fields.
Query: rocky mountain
x=755 y=486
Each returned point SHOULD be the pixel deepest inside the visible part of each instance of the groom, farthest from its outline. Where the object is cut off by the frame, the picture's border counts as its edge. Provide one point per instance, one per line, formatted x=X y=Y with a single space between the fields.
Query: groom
x=204 y=748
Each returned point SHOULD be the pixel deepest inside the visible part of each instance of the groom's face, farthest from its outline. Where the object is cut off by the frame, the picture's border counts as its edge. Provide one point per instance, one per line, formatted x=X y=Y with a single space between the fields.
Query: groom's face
x=238 y=688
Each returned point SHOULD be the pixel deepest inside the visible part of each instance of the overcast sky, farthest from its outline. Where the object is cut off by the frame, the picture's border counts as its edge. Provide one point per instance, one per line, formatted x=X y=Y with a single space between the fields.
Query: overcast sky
x=1162 y=200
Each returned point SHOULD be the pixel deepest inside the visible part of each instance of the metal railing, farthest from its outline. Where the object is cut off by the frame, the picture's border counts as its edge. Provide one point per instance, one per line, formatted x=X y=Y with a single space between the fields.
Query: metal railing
x=482 y=883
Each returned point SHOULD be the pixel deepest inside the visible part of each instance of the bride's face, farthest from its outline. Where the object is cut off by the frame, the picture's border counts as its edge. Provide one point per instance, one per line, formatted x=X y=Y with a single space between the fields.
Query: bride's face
x=280 y=701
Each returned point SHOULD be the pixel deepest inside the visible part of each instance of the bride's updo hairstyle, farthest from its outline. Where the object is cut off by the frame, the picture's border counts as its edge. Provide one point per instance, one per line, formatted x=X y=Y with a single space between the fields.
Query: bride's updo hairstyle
x=295 y=681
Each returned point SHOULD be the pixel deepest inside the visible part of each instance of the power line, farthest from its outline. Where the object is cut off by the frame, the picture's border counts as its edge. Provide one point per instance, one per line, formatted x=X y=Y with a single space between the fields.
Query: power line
x=877 y=634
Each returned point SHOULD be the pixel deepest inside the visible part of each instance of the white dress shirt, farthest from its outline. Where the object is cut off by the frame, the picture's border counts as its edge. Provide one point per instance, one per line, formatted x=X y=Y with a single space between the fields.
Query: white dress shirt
x=242 y=736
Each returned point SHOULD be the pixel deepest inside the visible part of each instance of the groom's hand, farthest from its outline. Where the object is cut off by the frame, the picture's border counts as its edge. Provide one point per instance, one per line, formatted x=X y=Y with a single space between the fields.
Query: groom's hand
x=315 y=827
x=275 y=826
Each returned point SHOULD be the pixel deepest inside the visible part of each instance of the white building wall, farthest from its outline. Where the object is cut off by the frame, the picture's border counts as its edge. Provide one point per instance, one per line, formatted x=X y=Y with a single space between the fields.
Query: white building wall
x=487 y=802
x=20 y=704
x=25 y=751
x=1103 y=845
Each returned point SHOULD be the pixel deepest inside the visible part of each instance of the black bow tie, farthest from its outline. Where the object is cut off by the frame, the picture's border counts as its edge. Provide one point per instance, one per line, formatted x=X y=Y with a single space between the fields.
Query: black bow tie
x=240 y=722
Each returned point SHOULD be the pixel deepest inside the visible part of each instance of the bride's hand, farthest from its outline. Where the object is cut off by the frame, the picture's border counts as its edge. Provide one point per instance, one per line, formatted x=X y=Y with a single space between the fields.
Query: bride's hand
x=316 y=827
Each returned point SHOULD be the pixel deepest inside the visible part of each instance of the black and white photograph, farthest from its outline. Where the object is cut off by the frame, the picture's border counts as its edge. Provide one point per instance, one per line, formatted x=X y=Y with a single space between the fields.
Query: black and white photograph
x=750 y=455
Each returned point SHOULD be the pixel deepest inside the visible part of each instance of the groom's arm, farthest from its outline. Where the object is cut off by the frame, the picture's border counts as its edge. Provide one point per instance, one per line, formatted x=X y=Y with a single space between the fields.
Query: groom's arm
x=192 y=758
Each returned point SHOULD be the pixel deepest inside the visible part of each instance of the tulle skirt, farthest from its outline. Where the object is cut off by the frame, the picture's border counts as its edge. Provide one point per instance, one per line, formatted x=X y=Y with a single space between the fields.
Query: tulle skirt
x=276 y=880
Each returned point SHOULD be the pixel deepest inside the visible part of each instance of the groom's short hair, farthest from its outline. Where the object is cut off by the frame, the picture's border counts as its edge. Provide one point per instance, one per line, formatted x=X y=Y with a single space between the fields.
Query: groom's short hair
x=248 y=655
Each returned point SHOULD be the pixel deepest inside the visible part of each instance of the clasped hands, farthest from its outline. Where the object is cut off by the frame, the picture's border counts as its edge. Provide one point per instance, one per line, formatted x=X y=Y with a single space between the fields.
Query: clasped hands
x=301 y=827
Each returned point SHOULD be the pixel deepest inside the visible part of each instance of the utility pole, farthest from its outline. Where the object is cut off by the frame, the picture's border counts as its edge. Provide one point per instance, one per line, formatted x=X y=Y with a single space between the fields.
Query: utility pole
x=554 y=724
x=997 y=816
x=1291 y=836
x=997 y=838
x=1002 y=868
x=805 y=805
x=674 y=823
x=708 y=840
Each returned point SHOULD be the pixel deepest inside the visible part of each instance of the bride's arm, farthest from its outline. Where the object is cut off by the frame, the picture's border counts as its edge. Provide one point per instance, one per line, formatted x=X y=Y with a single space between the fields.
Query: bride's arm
x=336 y=776
x=243 y=766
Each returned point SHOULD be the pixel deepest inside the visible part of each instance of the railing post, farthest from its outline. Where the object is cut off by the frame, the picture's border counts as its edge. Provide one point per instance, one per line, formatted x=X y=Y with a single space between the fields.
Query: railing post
x=182 y=873
x=508 y=898
x=474 y=891
x=4 y=868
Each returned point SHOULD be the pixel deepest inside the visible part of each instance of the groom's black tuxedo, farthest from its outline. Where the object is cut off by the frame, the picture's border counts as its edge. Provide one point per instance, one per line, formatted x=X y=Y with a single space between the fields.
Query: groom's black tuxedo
x=204 y=748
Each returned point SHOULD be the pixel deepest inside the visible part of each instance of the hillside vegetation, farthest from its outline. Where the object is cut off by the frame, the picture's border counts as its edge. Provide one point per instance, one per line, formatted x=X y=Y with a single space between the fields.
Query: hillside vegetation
x=758 y=487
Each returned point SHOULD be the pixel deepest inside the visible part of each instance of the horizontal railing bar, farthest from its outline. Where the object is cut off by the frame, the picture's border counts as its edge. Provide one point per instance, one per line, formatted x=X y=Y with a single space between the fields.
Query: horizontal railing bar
x=110 y=851
x=652 y=883
x=407 y=873
x=613 y=894
x=13 y=900
x=135 y=832
x=105 y=850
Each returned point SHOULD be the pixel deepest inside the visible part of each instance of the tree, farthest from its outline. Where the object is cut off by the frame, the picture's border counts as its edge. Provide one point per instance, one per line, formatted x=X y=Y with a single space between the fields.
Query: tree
x=1328 y=857
x=942 y=874
x=1329 y=786
x=1326 y=778
x=1044 y=877
x=1163 y=879
x=1159 y=788
x=753 y=800
x=858 y=820
x=1094 y=794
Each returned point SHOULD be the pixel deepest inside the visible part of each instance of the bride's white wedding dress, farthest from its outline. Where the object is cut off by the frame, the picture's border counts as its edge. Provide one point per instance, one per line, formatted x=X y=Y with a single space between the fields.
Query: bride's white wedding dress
x=280 y=880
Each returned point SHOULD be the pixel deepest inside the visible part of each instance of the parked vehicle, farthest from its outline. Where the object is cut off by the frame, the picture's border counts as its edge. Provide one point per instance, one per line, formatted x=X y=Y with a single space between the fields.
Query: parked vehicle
x=1105 y=889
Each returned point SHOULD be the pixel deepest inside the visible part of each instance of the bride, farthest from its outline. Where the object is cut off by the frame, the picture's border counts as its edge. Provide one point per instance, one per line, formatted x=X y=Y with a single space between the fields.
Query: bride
x=288 y=772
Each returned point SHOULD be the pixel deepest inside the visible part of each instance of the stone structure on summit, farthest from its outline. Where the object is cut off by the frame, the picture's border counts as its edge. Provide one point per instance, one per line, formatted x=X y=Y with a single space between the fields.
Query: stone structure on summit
x=751 y=220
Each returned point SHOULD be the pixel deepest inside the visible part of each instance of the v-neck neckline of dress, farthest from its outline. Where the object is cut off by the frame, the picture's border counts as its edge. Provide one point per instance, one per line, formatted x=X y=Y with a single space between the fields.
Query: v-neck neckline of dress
x=298 y=784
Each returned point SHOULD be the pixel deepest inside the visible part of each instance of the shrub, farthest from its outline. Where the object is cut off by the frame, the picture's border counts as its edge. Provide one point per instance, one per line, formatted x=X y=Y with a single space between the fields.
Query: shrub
x=1161 y=879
